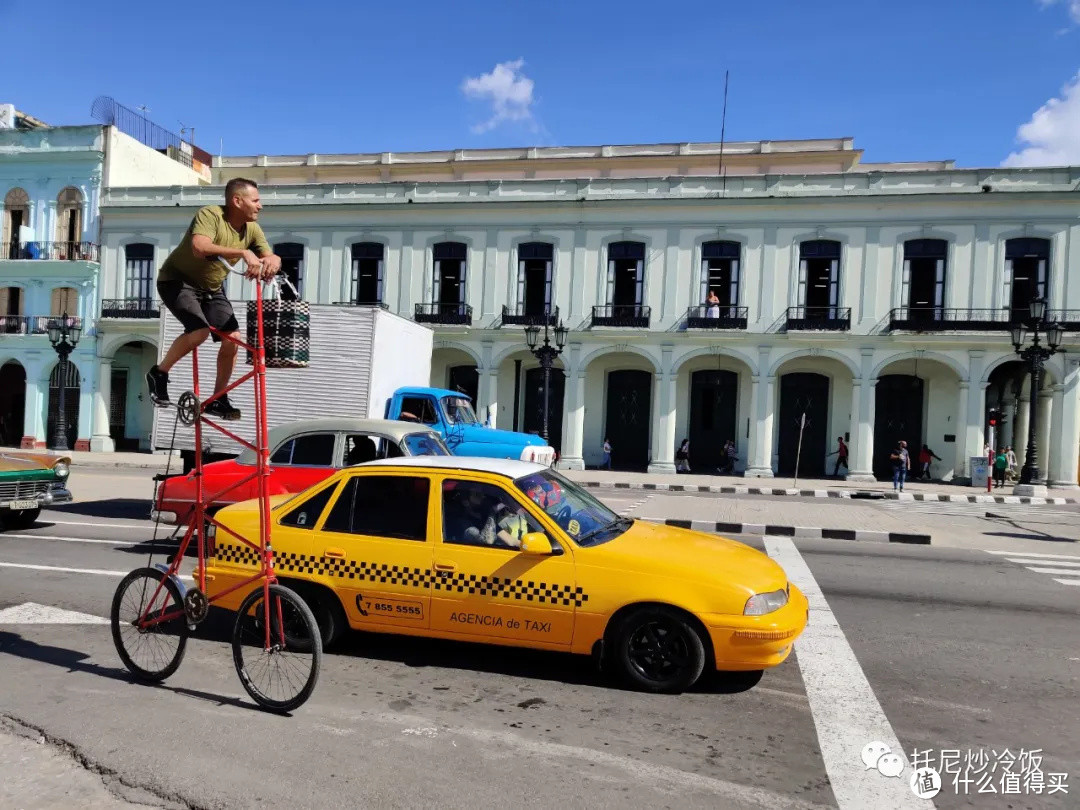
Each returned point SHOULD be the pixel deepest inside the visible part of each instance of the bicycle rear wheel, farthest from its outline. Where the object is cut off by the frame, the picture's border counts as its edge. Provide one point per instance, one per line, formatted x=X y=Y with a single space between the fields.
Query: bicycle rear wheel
x=282 y=675
x=150 y=649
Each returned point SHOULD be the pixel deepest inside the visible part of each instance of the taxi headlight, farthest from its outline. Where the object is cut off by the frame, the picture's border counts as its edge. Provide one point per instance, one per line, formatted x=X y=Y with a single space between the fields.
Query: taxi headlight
x=61 y=469
x=761 y=603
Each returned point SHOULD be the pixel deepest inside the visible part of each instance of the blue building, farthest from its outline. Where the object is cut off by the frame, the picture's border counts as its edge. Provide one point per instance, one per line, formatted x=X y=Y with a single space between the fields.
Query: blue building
x=51 y=180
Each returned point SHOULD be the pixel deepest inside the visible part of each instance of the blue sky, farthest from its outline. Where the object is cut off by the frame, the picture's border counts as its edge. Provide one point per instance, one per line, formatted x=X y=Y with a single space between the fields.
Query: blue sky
x=910 y=81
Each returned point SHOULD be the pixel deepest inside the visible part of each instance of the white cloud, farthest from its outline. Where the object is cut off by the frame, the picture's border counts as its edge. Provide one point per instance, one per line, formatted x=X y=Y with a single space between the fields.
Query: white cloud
x=1072 y=5
x=1052 y=136
x=509 y=91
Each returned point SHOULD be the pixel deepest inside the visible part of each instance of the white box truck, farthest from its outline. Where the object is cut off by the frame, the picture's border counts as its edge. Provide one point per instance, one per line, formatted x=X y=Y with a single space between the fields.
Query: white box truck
x=359 y=356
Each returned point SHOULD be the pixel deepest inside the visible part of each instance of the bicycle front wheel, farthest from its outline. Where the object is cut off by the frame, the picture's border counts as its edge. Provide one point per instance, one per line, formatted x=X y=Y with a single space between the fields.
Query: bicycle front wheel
x=149 y=627
x=279 y=674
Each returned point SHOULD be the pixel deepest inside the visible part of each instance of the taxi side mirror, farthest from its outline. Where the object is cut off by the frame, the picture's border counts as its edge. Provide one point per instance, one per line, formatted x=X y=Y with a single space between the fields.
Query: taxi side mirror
x=536 y=544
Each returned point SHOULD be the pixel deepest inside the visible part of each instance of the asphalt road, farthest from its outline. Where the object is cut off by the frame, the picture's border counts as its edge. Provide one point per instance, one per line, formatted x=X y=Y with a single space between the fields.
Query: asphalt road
x=935 y=649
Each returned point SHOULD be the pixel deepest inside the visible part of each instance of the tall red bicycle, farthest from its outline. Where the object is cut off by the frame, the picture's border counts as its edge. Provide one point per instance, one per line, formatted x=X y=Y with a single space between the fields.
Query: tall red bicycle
x=276 y=645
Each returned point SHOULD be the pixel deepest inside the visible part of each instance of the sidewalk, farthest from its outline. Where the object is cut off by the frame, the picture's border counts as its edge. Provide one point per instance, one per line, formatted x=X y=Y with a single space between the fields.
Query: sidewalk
x=811 y=488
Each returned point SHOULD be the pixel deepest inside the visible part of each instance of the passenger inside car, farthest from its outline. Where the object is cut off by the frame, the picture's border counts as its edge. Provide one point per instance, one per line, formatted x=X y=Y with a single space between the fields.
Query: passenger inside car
x=363 y=449
x=479 y=514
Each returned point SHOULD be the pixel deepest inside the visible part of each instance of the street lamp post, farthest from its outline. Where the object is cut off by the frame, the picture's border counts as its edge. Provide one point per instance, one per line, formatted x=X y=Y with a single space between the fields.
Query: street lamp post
x=1035 y=357
x=64 y=336
x=546 y=354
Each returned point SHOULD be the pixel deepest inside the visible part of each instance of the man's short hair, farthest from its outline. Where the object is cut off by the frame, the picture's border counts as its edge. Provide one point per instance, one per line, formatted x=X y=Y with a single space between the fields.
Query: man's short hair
x=238 y=185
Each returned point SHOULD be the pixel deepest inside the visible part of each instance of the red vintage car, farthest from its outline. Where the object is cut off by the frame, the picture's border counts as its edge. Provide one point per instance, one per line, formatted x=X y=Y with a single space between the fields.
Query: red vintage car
x=301 y=454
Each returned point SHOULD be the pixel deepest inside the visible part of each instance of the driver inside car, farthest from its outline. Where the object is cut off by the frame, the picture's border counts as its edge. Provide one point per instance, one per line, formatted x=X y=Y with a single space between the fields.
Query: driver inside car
x=477 y=514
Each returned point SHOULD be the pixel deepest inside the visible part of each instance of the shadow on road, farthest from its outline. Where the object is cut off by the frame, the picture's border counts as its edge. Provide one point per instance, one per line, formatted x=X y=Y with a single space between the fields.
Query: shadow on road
x=128 y=508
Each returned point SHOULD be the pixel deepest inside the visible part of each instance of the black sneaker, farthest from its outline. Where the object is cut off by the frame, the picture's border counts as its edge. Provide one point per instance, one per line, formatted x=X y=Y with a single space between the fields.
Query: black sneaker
x=158 y=383
x=223 y=409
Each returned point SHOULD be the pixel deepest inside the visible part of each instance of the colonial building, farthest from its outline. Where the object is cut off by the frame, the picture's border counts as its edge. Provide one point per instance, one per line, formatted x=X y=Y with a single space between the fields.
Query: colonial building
x=51 y=180
x=781 y=295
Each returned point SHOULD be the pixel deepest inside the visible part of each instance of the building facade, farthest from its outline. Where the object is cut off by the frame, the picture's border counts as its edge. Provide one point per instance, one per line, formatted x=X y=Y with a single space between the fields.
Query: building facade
x=51 y=181
x=791 y=297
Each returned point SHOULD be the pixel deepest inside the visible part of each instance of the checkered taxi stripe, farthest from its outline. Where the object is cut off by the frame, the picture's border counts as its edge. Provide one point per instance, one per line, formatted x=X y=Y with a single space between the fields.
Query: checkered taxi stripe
x=381 y=573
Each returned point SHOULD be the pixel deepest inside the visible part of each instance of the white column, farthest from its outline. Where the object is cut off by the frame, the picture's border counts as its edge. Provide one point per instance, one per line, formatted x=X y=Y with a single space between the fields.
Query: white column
x=100 y=438
x=862 y=437
x=663 y=420
x=573 y=421
x=1023 y=418
x=763 y=406
x=971 y=434
x=1066 y=431
x=1046 y=453
x=33 y=427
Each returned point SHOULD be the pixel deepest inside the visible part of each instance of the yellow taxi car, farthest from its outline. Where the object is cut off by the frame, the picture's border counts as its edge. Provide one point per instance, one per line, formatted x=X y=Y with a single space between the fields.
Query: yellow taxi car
x=509 y=552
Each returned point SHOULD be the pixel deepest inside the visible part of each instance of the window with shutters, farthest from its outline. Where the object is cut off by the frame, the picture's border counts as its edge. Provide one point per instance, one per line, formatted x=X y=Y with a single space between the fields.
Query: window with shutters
x=720 y=273
x=923 y=279
x=1027 y=271
x=449 y=274
x=292 y=267
x=16 y=215
x=626 y=277
x=367 y=273
x=64 y=301
x=535 y=262
x=139 y=273
x=69 y=224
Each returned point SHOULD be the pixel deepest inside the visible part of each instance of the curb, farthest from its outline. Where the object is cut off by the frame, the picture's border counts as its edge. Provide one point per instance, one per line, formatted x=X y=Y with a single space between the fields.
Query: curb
x=851 y=494
x=117 y=465
x=803 y=532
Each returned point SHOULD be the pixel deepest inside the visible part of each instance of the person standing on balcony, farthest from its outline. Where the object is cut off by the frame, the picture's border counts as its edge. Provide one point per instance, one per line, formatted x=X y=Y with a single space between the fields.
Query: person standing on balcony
x=713 y=302
x=191 y=285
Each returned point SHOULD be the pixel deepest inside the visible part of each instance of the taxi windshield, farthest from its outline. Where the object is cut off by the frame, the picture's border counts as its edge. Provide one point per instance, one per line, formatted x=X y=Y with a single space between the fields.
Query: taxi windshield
x=425 y=444
x=578 y=513
x=459 y=411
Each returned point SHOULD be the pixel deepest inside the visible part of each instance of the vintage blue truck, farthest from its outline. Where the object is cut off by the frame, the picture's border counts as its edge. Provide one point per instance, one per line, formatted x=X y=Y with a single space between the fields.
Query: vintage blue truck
x=451 y=414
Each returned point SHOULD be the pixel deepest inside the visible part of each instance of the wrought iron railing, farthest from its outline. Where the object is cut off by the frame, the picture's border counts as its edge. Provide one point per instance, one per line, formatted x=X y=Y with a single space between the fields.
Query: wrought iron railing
x=129 y=308
x=31 y=324
x=832 y=319
x=941 y=319
x=717 y=317
x=629 y=316
x=443 y=313
x=517 y=316
x=54 y=251
x=378 y=304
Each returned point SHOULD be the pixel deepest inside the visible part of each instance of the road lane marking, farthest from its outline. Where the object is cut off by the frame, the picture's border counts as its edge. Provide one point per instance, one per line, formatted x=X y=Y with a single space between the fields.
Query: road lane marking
x=1065 y=572
x=76 y=539
x=58 y=569
x=1059 y=563
x=143 y=528
x=1068 y=581
x=847 y=714
x=1033 y=554
x=33 y=613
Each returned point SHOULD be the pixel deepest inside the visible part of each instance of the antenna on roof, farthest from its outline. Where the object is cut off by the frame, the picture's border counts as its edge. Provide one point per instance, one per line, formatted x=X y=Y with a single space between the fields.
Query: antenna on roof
x=143 y=109
x=723 y=128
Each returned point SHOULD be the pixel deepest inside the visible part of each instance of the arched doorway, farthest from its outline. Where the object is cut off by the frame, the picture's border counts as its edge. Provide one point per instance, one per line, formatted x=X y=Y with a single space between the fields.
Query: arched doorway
x=714 y=399
x=804 y=408
x=898 y=415
x=12 y=403
x=71 y=384
x=534 y=404
x=627 y=417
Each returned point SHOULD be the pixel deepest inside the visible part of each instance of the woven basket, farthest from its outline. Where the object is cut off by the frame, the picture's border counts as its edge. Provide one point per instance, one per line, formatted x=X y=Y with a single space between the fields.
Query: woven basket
x=286 y=332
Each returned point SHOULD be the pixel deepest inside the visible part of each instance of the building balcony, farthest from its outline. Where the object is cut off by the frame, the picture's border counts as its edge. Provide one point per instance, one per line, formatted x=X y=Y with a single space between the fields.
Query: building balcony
x=517 y=316
x=824 y=319
x=128 y=308
x=31 y=324
x=724 y=317
x=444 y=314
x=942 y=319
x=623 y=316
x=50 y=251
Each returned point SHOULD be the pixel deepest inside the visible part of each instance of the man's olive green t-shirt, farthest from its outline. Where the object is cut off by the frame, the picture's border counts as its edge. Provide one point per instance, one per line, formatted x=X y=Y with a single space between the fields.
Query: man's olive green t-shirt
x=209 y=274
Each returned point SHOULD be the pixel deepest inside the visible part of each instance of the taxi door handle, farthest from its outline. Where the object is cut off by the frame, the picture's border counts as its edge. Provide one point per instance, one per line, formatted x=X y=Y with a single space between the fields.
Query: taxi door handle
x=445 y=568
x=336 y=553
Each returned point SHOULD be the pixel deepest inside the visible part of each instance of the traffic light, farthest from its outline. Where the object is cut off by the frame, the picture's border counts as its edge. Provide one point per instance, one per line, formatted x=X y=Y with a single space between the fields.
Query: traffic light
x=995 y=415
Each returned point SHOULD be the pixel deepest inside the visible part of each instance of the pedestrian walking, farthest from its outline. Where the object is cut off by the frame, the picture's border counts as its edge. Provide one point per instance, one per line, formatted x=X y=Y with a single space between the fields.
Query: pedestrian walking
x=1010 y=456
x=901 y=461
x=607 y=455
x=841 y=453
x=728 y=456
x=1001 y=464
x=925 y=455
x=713 y=302
x=682 y=457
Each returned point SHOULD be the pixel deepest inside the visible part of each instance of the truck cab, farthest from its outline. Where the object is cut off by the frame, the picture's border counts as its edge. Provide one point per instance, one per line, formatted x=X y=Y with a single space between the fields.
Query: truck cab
x=451 y=414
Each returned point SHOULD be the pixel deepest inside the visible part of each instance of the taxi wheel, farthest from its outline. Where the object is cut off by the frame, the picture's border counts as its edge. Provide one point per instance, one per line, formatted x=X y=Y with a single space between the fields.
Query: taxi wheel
x=22 y=518
x=329 y=616
x=658 y=650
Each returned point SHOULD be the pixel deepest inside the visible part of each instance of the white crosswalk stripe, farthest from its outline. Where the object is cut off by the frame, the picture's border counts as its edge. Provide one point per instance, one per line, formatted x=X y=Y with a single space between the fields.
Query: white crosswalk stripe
x=1005 y=511
x=1055 y=566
